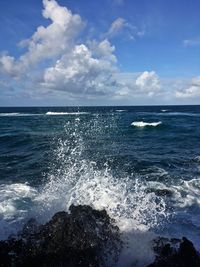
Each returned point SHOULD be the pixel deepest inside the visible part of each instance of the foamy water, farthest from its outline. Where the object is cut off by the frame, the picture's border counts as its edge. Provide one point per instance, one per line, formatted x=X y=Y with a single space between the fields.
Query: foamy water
x=65 y=113
x=17 y=114
x=77 y=181
x=144 y=124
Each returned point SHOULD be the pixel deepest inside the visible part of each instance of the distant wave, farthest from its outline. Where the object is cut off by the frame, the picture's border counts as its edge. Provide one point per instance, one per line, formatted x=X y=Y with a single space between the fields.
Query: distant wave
x=65 y=113
x=143 y=124
x=15 y=114
x=182 y=114
x=9 y=114
x=165 y=112
x=121 y=110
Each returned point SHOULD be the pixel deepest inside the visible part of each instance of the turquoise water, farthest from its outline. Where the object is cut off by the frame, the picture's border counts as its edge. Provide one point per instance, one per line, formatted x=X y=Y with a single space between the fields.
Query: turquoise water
x=141 y=164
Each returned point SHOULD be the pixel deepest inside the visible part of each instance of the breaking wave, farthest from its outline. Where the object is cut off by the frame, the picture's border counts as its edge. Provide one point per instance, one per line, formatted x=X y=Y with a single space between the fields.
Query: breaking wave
x=15 y=114
x=76 y=180
x=144 y=124
x=121 y=110
x=65 y=113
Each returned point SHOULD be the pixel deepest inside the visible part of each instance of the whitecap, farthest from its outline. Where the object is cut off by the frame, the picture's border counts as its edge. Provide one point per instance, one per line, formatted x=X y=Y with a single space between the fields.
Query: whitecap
x=121 y=110
x=15 y=114
x=143 y=124
x=65 y=113
x=9 y=114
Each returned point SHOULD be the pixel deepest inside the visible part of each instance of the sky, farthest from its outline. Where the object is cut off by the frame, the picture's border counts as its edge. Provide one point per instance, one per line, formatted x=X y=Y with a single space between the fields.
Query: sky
x=106 y=52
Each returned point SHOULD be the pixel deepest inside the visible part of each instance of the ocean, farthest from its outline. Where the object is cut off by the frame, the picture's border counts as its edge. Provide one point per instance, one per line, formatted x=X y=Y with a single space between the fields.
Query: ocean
x=139 y=163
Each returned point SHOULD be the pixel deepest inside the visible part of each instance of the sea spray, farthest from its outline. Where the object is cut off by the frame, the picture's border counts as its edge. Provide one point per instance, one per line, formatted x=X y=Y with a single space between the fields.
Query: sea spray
x=76 y=180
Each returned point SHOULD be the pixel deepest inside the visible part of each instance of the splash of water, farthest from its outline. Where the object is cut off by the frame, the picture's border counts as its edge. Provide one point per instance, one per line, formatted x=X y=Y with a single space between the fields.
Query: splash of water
x=79 y=181
x=76 y=180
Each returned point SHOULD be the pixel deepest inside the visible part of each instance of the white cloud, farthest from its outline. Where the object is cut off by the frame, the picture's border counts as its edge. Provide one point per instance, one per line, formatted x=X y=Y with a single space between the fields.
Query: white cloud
x=79 y=72
x=103 y=49
x=46 y=42
x=192 y=91
x=7 y=65
x=73 y=69
x=117 y=26
x=120 y=26
x=148 y=82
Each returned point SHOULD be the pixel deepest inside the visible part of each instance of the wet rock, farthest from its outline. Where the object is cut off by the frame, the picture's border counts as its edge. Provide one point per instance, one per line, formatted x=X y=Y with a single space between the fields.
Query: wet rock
x=175 y=253
x=83 y=237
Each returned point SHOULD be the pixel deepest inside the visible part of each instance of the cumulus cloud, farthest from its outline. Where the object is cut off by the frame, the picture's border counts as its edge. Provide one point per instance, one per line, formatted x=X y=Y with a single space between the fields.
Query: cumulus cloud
x=103 y=49
x=148 y=82
x=46 y=42
x=192 y=91
x=81 y=72
x=72 y=68
x=7 y=65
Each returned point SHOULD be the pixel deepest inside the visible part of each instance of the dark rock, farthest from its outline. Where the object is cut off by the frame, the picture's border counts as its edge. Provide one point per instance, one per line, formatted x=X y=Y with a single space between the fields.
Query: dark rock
x=83 y=237
x=175 y=253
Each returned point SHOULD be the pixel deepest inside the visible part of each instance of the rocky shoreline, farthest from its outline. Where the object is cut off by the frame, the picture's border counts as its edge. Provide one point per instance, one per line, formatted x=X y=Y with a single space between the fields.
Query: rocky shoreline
x=84 y=237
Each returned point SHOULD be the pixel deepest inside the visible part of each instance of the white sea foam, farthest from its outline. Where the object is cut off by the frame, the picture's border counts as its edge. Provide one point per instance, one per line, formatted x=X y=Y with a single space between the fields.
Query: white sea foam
x=79 y=181
x=14 y=199
x=185 y=193
x=197 y=159
x=121 y=110
x=9 y=114
x=144 y=124
x=65 y=113
x=15 y=114
x=74 y=180
x=185 y=203
x=164 y=110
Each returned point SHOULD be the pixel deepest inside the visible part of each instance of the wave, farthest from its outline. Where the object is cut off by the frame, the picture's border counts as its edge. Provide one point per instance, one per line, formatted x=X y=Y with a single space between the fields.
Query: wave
x=15 y=114
x=65 y=113
x=182 y=114
x=144 y=124
x=79 y=181
x=14 y=200
x=75 y=180
x=121 y=110
x=10 y=114
x=183 y=200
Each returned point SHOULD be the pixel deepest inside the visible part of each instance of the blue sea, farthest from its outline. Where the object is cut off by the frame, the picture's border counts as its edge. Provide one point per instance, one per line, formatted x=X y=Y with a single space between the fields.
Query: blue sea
x=140 y=164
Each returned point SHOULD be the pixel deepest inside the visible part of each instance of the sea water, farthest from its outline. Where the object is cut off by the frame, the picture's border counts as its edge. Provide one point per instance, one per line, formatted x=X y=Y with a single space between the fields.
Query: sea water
x=140 y=164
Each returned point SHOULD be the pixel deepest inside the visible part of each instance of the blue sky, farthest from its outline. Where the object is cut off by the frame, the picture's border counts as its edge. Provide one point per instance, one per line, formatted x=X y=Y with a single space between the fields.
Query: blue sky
x=108 y=52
